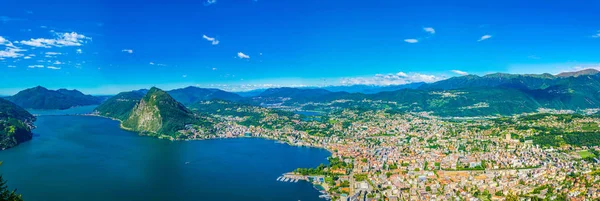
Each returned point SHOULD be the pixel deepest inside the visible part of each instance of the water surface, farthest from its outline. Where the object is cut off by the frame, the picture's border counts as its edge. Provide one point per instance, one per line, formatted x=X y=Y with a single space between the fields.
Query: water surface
x=71 y=111
x=76 y=158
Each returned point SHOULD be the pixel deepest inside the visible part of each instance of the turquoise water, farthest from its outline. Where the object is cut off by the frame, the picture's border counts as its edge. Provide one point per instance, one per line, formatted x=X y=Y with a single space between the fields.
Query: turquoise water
x=81 y=158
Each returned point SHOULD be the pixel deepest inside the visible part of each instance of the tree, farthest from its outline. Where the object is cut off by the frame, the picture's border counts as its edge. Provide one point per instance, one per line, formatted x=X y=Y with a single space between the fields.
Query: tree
x=512 y=197
x=8 y=195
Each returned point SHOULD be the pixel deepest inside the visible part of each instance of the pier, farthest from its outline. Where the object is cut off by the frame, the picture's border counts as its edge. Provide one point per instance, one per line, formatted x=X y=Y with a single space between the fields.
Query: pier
x=292 y=178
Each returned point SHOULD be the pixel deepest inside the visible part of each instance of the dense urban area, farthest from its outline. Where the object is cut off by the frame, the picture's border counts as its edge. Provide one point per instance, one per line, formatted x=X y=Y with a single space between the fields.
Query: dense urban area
x=382 y=155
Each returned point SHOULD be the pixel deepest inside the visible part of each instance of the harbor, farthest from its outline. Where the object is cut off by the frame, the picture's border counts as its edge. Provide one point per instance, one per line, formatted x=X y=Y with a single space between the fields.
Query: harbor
x=292 y=178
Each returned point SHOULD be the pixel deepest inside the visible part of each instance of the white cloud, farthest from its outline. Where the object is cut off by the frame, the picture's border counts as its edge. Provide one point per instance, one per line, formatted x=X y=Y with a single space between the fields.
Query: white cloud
x=53 y=53
x=210 y=2
x=11 y=53
x=157 y=64
x=53 y=68
x=61 y=40
x=11 y=66
x=241 y=55
x=484 y=37
x=429 y=30
x=58 y=63
x=213 y=40
x=597 y=35
x=411 y=40
x=184 y=76
x=460 y=72
x=79 y=51
x=130 y=51
x=391 y=79
x=35 y=66
x=214 y=68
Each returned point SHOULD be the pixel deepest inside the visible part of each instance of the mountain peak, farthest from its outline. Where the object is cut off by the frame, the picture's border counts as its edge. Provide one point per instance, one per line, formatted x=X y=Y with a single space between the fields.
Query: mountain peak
x=42 y=98
x=589 y=71
x=157 y=113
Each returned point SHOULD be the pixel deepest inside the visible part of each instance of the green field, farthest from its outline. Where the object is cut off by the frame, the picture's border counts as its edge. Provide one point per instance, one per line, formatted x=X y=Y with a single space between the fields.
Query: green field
x=586 y=154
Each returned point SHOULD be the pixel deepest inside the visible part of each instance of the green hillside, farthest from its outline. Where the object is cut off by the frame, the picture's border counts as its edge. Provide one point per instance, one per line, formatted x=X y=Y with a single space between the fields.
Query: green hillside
x=157 y=113
x=119 y=106
x=190 y=95
x=15 y=125
x=42 y=98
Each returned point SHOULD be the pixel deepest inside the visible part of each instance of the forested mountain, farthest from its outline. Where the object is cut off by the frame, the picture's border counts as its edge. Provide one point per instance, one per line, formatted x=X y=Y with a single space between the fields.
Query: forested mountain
x=157 y=113
x=372 y=89
x=471 y=95
x=42 y=98
x=190 y=95
x=120 y=106
x=154 y=113
x=15 y=125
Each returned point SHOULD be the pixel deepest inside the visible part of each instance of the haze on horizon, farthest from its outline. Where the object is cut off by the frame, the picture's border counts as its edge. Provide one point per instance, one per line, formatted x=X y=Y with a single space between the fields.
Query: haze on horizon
x=99 y=48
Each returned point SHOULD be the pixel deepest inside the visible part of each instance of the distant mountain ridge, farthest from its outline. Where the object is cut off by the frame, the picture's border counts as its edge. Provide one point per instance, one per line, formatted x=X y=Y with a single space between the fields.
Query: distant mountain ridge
x=590 y=71
x=470 y=95
x=190 y=95
x=528 y=81
x=42 y=98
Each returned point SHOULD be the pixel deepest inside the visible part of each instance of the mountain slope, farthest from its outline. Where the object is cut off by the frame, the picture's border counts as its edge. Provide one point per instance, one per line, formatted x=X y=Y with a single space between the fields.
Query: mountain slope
x=42 y=98
x=120 y=106
x=526 y=81
x=578 y=73
x=15 y=125
x=372 y=89
x=157 y=113
x=190 y=95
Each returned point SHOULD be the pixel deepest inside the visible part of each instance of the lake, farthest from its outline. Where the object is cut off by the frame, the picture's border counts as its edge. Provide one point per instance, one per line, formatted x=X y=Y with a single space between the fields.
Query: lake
x=76 y=158
x=71 y=111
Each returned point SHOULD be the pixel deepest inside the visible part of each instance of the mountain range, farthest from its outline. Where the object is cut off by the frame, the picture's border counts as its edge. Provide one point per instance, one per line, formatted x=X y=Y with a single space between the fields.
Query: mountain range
x=190 y=95
x=42 y=98
x=469 y=95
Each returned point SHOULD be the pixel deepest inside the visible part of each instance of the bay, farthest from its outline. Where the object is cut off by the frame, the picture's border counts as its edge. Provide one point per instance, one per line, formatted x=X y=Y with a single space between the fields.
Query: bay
x=78 y=158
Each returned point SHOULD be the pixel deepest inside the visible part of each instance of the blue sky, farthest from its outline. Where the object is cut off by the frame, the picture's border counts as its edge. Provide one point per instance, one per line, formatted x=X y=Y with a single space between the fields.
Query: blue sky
x=103 y=47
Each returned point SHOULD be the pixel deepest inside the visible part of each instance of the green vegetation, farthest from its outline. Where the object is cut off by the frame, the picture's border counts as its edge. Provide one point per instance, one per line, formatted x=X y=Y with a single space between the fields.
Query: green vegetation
x=8 y=195
x=573 y=138
x=158 y=114
x=15 y=125
x=586 y=154
x=119 y=106
x=334 y=164
x=191 y=95
x=361 y=177
x=42 y=98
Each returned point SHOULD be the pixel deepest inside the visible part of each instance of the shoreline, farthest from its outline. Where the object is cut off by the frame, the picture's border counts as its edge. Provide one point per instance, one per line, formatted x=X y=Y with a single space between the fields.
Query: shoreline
x=324 y=193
